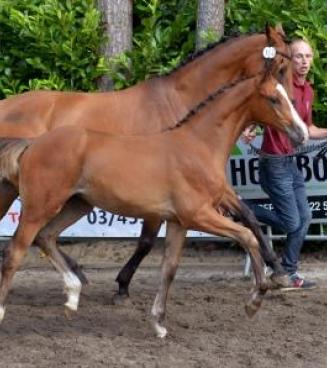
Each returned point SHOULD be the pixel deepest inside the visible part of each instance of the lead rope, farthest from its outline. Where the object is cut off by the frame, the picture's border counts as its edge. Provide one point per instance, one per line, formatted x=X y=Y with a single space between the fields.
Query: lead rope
x=322 y=147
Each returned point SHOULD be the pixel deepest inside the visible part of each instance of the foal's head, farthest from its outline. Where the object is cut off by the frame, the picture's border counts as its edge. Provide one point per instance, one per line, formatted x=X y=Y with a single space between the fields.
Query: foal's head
x=271 y=105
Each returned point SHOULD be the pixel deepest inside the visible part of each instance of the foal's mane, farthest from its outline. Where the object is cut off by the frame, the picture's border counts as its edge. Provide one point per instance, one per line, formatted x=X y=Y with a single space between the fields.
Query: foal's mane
x=201 y=105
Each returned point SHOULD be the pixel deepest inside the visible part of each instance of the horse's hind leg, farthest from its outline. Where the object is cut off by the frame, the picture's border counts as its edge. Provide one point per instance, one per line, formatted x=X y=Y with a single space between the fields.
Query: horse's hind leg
x=209 y=220
x=244 y=214
x=72 y=289
x=146 y=242
x=73 y=210
x=279 y=276
x=173 y=250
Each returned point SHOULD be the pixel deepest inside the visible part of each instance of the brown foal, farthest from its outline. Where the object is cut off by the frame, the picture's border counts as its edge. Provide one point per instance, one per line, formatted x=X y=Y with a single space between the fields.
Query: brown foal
x=182 y=169
x=147 y=107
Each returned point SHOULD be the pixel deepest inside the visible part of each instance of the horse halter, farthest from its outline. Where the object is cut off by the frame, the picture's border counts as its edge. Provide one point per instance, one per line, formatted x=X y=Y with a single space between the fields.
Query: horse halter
x=270 y=52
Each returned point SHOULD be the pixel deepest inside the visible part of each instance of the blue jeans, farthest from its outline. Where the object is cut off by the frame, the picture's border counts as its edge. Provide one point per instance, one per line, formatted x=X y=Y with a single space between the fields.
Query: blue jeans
x=284 y=184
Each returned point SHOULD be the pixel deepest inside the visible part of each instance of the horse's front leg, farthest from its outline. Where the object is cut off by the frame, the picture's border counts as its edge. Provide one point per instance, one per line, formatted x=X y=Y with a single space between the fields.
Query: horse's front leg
x=279 y=276
x=209 y=220
x=173 y=249
x=146 y=242
x=13 y=256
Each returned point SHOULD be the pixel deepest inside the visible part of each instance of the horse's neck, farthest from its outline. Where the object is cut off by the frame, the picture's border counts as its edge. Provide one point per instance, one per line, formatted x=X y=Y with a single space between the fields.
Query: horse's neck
x=220 y=123
x=225 y=63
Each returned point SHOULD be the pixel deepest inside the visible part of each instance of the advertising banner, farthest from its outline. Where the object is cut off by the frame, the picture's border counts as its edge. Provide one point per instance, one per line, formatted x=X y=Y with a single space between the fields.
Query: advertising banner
x=243 y=174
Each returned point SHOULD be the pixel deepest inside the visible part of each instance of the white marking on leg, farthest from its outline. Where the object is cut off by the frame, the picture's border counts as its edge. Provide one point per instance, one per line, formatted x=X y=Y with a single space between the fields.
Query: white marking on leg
x=160 y=331
x=296 y=117
x=2 y=312
x=73 y=288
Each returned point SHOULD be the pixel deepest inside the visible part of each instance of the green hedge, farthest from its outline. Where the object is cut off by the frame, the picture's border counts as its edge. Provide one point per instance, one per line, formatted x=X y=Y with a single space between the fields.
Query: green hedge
x=164 y=34
x=49 y=44
x=55 y=44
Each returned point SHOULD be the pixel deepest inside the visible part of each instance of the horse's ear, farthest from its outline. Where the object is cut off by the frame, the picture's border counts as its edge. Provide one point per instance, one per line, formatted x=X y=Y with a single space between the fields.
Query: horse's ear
x=268 y=32
x=279 y=29
x=266 y=75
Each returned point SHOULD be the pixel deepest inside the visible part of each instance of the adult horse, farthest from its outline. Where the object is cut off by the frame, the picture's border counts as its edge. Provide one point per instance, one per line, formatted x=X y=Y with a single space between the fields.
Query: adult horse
x=182 y=168
x=147 y=107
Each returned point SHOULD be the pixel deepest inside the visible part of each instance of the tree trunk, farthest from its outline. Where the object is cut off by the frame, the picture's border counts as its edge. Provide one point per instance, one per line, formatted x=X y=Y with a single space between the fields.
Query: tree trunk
x=118 y=24
x=210 y=19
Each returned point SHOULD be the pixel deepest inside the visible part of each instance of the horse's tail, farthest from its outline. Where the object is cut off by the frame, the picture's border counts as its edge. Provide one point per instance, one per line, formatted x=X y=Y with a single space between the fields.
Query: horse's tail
x=11 y=150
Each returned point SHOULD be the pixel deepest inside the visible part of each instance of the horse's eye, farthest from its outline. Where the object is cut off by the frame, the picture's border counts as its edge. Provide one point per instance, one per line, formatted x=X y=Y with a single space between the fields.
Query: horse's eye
x=273 y=100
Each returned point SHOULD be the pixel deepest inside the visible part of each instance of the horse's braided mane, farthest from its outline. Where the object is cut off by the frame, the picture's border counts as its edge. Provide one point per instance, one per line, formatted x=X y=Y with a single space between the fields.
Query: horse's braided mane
x=205 y=102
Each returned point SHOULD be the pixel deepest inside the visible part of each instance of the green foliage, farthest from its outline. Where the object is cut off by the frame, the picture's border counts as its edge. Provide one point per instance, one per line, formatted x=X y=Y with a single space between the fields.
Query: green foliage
x=55 y=44
x=163 y=37
x=49 y=44
x=301 y=19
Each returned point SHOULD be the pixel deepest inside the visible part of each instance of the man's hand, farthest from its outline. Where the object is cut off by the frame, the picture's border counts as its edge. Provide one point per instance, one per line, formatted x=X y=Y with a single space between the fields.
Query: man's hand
x=249 y=134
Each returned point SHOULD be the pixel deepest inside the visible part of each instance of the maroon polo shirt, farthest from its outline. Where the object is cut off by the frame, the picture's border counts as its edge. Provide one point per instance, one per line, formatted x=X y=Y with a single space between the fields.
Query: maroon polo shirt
x=277 y=142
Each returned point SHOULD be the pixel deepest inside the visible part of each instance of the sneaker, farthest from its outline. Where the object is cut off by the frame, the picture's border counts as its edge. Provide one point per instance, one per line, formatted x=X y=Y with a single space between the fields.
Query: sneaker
x=297 y=283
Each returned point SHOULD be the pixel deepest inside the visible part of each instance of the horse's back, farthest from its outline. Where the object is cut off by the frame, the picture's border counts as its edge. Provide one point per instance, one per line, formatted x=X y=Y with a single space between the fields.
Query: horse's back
x=35 y=112
x=29 y=114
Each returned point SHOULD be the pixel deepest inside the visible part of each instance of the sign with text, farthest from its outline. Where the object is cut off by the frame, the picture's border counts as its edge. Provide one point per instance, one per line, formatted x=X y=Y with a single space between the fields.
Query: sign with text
x=243 y=174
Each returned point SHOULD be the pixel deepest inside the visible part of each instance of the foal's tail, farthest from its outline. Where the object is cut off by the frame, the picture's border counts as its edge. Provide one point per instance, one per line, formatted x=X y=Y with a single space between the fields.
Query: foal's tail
x=11 y=150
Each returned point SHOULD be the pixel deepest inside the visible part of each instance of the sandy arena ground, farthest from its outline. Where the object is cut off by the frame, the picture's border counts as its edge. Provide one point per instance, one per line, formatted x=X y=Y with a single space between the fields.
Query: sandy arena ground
x=206 y=321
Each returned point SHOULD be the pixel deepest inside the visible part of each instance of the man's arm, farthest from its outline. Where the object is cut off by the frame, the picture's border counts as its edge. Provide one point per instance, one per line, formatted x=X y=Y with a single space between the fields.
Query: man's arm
x=317 y=133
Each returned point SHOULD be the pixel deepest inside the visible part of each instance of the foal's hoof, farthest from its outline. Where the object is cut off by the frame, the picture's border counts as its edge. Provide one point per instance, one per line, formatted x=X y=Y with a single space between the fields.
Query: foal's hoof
x=69 y=313
x=254 y=304
x=121 y=299
x=279 y=280
x=2 y=312
x=252 y=307
x=160 y=331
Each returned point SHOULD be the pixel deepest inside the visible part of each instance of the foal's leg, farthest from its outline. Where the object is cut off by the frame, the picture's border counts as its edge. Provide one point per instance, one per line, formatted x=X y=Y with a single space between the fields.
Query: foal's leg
x=148 y=236
x=208 y=220
x=244 y=214
x=14 y=255
x=173 y=250
x=72 y=288
x=73 y=210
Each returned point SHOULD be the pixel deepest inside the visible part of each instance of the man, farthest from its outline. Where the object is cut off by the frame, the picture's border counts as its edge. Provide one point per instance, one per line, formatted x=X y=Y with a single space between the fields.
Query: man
x=280 y=177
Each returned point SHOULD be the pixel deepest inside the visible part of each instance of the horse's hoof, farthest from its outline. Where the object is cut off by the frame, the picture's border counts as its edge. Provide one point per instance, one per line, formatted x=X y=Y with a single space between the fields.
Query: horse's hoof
x=2 y=312
x=279 y=281
x=254 y=304
x=250 y=310
x=69 y=313
x=121 y=299
x=160 y=331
